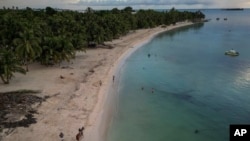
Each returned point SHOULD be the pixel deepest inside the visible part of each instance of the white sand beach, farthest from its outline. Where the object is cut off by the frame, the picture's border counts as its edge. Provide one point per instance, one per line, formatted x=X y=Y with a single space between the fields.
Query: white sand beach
x=79 y=91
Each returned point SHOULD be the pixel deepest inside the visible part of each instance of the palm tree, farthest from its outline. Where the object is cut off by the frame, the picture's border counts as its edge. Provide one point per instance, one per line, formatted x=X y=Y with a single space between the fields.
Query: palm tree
x=66 y=49
x=8 y=65
x=79 y=43
x=27 y=46
x=9 y=28
x=89 y=10
x=56 y=49
x=49 y=54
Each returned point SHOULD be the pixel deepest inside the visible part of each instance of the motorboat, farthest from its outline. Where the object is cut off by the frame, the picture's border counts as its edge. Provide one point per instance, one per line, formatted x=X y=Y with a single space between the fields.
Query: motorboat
x=232 y=52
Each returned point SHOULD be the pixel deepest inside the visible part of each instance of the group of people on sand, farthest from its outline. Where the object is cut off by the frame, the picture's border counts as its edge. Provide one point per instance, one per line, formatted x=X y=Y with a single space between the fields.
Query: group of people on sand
x=79 y=135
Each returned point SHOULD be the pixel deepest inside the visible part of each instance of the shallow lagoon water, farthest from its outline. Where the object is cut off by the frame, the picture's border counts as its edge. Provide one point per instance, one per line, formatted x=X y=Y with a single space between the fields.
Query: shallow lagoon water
x=189 y=85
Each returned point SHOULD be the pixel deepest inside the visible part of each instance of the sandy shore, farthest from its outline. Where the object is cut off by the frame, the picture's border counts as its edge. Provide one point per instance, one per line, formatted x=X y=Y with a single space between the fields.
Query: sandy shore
x=79 y=99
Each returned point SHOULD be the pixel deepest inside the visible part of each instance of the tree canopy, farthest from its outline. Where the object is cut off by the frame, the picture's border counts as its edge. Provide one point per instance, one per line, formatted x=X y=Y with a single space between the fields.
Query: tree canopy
x=50 y=36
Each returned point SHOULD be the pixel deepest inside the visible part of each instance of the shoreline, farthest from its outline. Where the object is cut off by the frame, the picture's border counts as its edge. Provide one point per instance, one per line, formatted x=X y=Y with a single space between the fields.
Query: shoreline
x=79 y=99
x=99 y=130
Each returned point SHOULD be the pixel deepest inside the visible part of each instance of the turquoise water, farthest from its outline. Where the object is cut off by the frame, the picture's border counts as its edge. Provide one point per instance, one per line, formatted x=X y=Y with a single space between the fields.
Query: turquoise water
x=188 y=83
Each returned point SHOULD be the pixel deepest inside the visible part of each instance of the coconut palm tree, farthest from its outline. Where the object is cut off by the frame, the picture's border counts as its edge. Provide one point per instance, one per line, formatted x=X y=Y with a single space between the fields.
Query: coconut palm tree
x=49 y=54
x=27 y=46
x=78 y=42
x=56 y=49
x=9 y=64
x=65 y=48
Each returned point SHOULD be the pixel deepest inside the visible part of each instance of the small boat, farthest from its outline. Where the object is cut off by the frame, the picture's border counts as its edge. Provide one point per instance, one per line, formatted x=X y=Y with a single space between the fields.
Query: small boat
x=225 y=19
x=217 y=19
x=232 y=52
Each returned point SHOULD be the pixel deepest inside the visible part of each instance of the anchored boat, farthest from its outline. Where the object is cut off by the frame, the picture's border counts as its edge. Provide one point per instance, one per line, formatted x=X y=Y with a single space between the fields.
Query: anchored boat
x=232 y=52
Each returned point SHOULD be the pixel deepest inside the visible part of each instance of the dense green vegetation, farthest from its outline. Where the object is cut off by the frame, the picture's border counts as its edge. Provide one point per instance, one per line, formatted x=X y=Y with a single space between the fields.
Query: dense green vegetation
x=51 y=36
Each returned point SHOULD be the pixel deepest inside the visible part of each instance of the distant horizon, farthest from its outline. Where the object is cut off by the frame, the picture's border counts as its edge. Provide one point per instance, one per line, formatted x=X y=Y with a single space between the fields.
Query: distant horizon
x=123 y=8
x=120 y=4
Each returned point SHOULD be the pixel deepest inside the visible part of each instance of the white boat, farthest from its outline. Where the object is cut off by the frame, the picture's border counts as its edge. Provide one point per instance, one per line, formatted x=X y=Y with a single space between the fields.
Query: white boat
x=232 y=52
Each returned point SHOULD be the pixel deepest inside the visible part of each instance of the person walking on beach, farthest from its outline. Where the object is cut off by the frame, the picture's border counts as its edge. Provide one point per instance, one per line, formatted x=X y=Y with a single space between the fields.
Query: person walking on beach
x=79 y=135
x=61 y=135
x=113 y=78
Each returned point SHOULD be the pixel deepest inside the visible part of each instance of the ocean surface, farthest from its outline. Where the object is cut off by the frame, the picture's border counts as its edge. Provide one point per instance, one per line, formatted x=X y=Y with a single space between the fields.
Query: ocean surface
x=186 y=89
